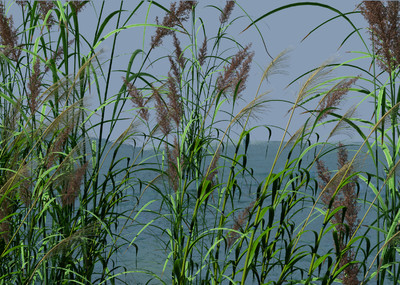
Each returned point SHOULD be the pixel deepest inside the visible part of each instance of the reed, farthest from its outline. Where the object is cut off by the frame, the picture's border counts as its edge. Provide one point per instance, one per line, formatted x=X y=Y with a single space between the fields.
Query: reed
x=73 y=199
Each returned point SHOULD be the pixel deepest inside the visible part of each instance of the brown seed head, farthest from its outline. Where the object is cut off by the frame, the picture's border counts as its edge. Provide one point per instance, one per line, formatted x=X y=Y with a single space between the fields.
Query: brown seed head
x=335 y=96
x=237 y=71
x=348 y=199
x=44 y=8
x=137 y=99
x=9 y=36
x=175 y=103
x=163 y=118
x=34 y=87
x=71 y=192
x=173 y=173
x=385 y=31
x=203 y=52
x=227 y=11
x=238 y=224
x=178 y=52
x=175 y=17
x=78 y=5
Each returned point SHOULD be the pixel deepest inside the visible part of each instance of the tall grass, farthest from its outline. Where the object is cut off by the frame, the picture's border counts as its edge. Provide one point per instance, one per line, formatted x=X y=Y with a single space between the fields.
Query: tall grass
x=72 y=198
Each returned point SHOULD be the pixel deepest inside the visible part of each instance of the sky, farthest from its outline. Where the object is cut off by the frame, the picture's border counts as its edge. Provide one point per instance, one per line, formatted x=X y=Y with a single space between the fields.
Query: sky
x=282 y=30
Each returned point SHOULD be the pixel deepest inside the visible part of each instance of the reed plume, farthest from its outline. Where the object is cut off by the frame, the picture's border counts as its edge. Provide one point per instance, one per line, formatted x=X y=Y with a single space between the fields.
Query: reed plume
x=9 y=36
x=58 y=145
x=175 y=162
x=44 y=8
x=212 y=170
x=72 y=190
x=175 y=70
x=384 y=24
x=78 y=5
x=58 y=55
x=178 y=51
x=346 y=197
x=5 y=211
x=34 y=87
x=232 y=236
x=137 y=99
x=175 y=102
x=203 y=52
x=237 y=72
x=176 y=16
x=226 y=12
x=335 y=96
x=163 y=115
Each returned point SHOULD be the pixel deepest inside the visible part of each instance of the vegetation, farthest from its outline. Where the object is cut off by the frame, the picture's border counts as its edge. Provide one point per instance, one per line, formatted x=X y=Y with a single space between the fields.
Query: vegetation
x=72 y=199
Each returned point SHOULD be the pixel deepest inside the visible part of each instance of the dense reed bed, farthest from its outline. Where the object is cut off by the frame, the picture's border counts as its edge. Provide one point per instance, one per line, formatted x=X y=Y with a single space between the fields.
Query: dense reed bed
x=65 y=178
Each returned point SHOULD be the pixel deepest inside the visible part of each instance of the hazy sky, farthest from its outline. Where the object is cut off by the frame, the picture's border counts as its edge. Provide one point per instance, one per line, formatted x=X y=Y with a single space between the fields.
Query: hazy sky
x=282 y=30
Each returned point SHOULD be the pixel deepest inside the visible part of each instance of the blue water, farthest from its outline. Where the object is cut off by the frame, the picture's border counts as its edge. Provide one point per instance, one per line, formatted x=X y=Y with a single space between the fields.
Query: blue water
x=153 y=242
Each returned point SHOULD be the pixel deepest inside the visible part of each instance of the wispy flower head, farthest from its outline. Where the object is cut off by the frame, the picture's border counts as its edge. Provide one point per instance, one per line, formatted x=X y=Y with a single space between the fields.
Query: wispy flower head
x=58 y=54
x=203 y=52
x=163 y=116
x=175 y=70
x=384 y=23
x=175 y=103
x=176 y=16
x=178 y=51
x=174 y=157
x=227 y=11
x=347 y=197
x=137 y=99
x=212 y=171
x=335 y=96
x=238 y=224
x=237 y=71
x=58 y=145
x=44 y=8
x=9 y=36
x=34 y=87
x=5 y=211
x=78 y=5
x=71 y=192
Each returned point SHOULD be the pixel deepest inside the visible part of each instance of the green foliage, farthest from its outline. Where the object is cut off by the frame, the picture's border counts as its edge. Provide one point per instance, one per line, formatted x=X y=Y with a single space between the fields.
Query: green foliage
x=71 y=199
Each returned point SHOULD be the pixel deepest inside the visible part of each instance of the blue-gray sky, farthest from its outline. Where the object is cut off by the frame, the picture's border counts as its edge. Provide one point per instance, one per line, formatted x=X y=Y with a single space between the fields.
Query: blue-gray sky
x=282 y=30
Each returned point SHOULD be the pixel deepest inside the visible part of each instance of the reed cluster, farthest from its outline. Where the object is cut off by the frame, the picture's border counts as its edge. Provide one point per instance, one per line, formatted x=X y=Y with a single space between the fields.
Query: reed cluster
x=71 y=204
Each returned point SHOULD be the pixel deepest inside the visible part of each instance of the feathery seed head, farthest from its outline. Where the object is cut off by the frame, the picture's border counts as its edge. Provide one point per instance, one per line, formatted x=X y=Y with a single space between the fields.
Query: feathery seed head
x=227 y=11
x=175 y=103
x=335 y=96
x=237 y=71
x=176 y=16
x=9 y=36
x=71 y=192
x=137 y=99
x=163 y=116
x=34 y=87
x=203 y=52
x=384 y=23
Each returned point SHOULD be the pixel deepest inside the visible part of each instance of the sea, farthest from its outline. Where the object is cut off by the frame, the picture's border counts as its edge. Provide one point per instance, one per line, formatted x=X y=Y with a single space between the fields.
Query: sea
x=145 y=252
